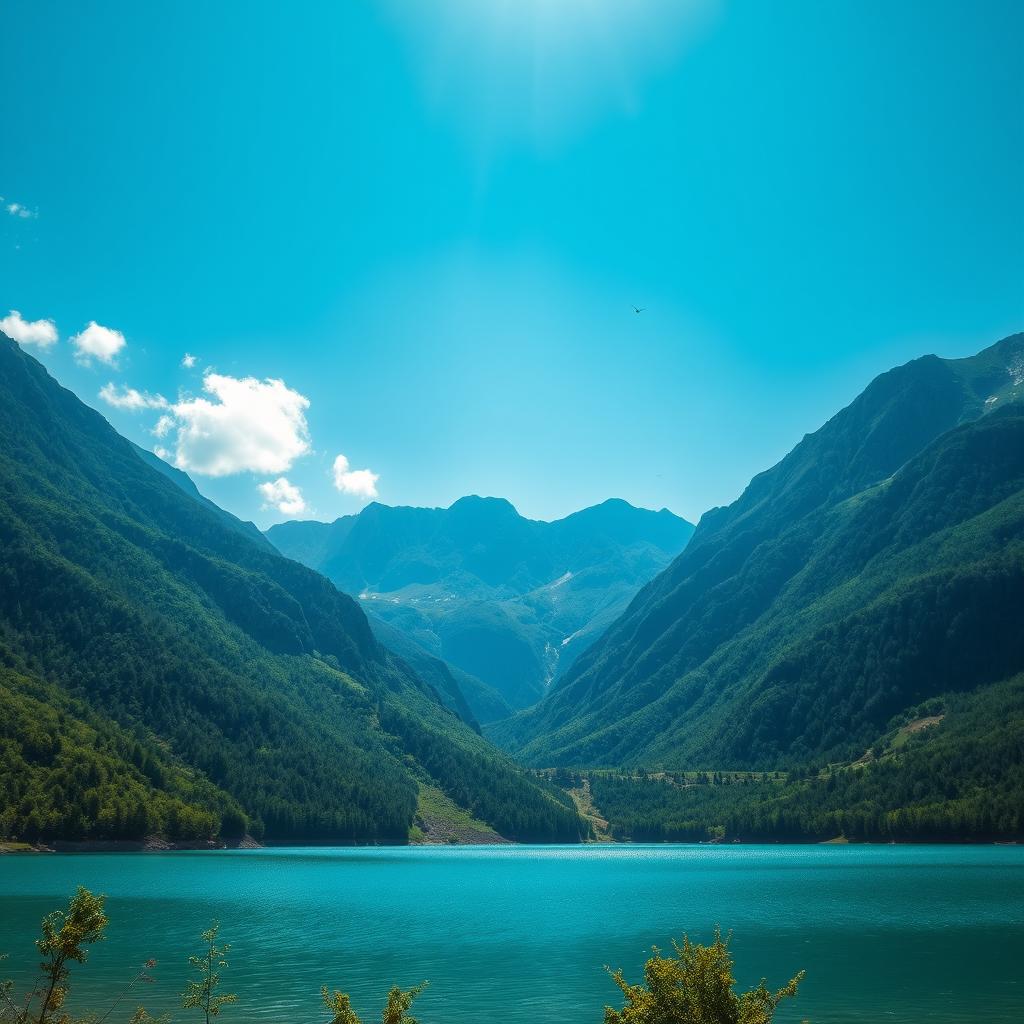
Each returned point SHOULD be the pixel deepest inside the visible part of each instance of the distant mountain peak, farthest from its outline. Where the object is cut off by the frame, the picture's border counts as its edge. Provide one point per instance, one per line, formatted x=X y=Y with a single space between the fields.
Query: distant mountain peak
x=211 y=684
x=472 y=583
x=477 y=505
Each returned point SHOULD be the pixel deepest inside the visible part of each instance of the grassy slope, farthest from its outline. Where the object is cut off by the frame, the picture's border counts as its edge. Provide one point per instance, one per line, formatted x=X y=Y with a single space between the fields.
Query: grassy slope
x=439 y=820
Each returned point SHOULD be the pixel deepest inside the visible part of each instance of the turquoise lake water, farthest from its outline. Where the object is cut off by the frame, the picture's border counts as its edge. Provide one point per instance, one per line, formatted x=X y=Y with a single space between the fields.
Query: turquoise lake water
x=521 y=934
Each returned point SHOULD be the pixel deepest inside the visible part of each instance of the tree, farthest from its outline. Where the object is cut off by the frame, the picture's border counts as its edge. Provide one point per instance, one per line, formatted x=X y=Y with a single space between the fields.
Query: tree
x=65 y=934
x=396 y=1008
x=201 y=994
x=398 y=1004
x=339 y=1006
x=695 y=987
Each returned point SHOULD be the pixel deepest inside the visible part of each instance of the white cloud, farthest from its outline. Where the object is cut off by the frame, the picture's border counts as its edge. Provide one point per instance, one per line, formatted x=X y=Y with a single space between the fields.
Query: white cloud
x=163 y=427
x=98 y=342
x=17 y=210
x=130 y=399
x=283 y=496
x=29 y=332
x=249 y=425
x=359 y=482
x=188 y=360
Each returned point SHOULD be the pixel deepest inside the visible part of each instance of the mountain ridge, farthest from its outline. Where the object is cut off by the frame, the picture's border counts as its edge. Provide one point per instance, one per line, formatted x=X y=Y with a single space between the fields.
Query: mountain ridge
x=252 y=691
x=508 y=600
x=643 y=678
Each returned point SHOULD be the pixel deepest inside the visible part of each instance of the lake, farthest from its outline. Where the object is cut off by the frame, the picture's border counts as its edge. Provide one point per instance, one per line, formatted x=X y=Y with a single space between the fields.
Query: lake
x=521 y=934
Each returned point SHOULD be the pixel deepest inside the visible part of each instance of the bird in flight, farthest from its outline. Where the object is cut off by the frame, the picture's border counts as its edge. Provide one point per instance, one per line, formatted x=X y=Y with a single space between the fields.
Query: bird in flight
x=639 y=309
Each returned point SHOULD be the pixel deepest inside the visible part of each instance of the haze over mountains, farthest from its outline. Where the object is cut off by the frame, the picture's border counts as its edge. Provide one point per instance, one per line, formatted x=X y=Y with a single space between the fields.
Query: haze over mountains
x=507 y=600
x=881 y=563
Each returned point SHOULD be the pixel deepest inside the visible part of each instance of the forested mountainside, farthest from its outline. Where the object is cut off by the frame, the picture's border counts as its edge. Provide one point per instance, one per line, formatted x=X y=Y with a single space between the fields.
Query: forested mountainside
x=186 y=484
x=163 y=671
x=881 y=563
x=949 y=770
x=507 y=600
x=449 y=682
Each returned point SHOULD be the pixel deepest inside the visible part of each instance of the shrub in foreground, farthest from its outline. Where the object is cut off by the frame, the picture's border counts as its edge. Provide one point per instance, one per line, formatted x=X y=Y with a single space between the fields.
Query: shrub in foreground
x=695 y=986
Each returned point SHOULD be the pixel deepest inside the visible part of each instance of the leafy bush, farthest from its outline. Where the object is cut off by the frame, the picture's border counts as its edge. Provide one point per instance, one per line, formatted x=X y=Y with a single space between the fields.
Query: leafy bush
x=695 y=987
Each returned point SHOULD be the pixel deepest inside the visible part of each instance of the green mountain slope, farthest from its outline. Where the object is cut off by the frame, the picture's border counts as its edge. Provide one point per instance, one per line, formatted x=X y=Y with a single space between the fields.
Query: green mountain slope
x=69 y=772
x=431 y=670
x=508 y=600
x=221 y=659
x=187 y=485
x=878 y=564
x=449 y=682
x=949 y=770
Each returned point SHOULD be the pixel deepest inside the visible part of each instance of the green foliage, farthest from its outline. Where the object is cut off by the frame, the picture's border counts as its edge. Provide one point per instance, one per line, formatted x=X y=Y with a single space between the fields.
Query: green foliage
x=201 y=993
x=396 y=1009
x=339 y=1006
x=475 y=584
x=880 y=564
x=198 y=683
x=961 y=778
x=141 y=1016
x=535 y=813
x=65 y=936
x=695 y=987
x=70 y=773
x=446 y=821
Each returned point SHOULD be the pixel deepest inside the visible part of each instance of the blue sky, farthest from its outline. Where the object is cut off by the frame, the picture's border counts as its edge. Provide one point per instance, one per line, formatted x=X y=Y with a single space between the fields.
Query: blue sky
x=413 y=234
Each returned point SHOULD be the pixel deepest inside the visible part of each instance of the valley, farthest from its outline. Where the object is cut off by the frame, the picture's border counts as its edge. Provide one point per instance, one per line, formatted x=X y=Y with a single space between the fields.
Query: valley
x=509 y=603
x=512 y=512
x=163 y=672
x=835 y=655
x=962 y=783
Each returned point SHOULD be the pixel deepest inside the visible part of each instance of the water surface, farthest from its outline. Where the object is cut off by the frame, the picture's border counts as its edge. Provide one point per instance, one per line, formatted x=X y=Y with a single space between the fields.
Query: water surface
x=521 y=934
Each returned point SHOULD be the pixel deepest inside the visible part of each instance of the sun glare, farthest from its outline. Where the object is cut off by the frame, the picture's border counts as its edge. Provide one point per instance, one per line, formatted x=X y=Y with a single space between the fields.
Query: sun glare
x=540 y=69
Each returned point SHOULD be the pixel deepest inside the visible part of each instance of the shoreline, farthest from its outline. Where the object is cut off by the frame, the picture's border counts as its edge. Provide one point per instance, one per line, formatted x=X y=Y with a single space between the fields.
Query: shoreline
x=155 y=844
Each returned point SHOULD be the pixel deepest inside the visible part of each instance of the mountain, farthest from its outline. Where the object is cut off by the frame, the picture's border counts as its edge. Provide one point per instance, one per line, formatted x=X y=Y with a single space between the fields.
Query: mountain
x=186 y=484
x=449 y=682
x=162 y=670
x=881 y=563
x=507 y=600
x=950 y=769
